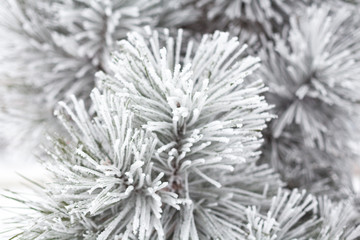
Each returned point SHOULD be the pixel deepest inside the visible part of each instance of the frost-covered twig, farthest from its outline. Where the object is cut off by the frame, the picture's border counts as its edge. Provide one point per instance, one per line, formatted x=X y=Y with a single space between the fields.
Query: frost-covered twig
x=190 y=172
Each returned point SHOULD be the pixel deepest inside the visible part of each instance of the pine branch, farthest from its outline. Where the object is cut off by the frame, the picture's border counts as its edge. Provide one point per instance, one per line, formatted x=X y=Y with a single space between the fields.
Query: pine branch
x=190 y=173
x=206 y=117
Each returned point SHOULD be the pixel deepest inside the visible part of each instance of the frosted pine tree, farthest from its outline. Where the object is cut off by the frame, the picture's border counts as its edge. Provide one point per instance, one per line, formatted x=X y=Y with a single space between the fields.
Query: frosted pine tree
x=170 y=153
x=169 y=145
x=184 y=148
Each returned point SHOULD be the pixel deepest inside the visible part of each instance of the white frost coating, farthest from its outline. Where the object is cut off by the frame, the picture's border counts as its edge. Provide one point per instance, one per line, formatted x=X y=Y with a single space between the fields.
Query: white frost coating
x=206 y=115
x=194 y=108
